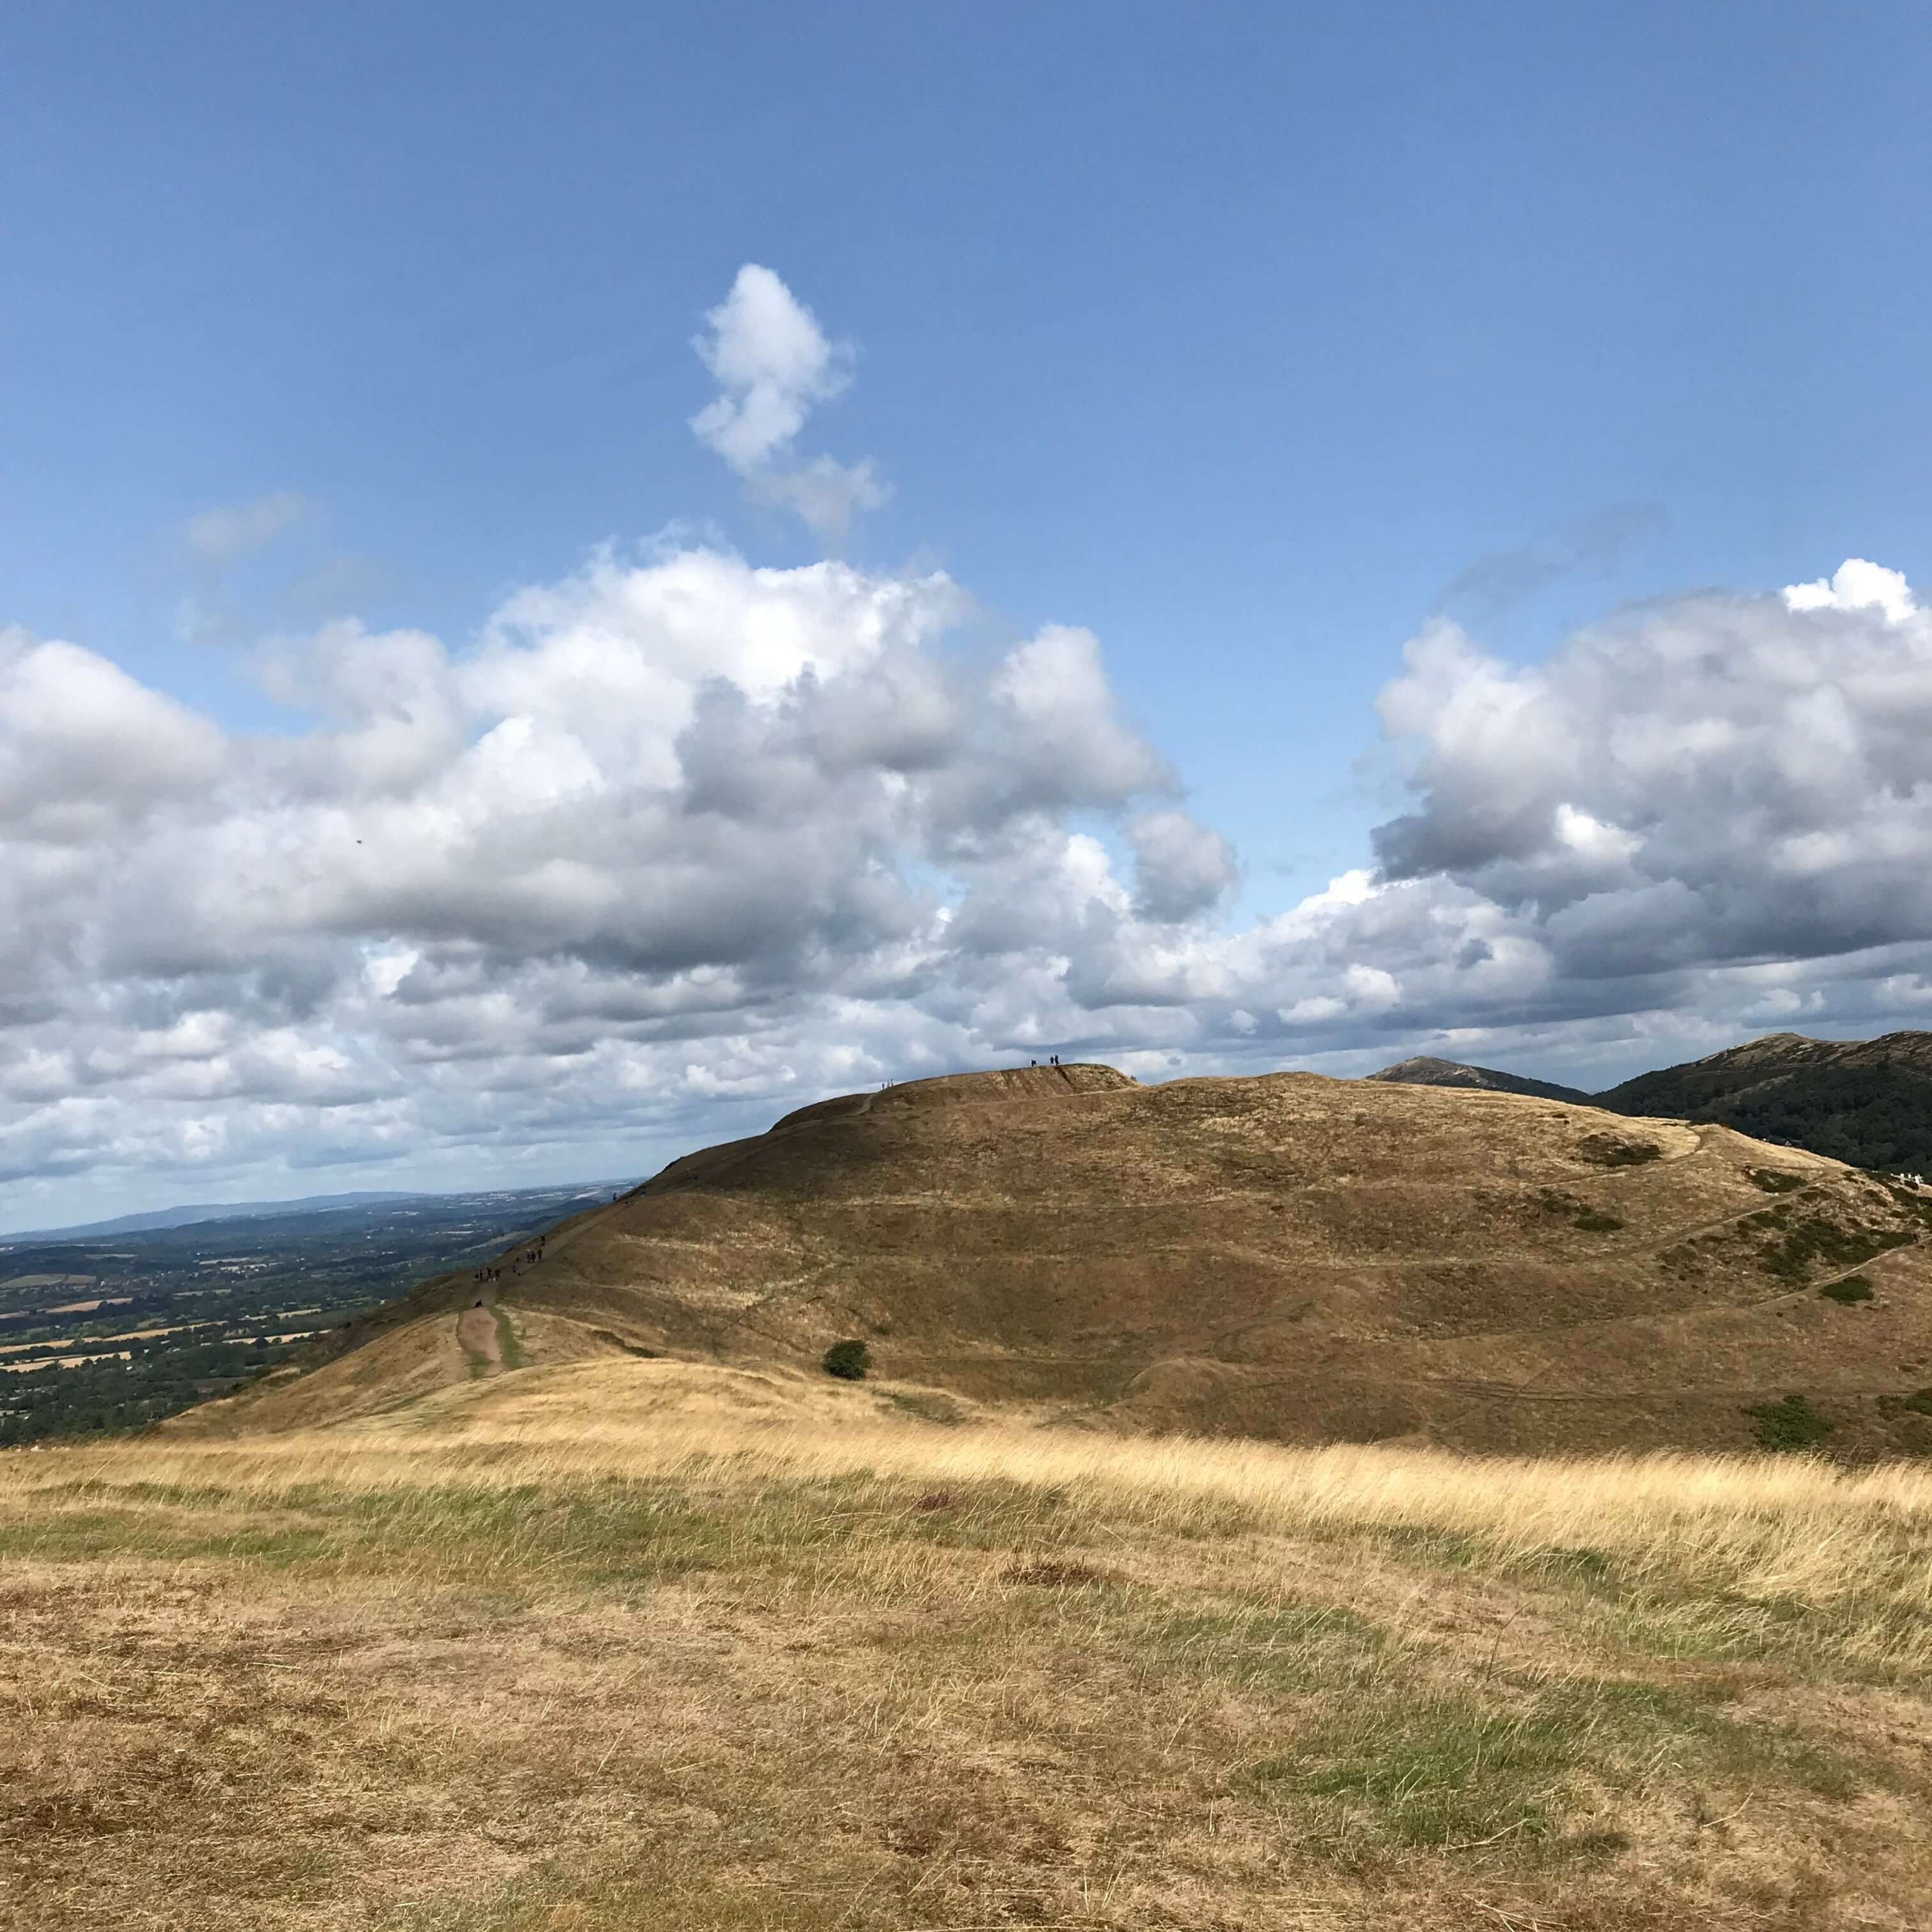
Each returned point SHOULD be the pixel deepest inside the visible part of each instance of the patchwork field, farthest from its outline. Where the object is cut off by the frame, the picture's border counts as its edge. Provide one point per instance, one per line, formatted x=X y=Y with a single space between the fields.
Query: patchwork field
x=625 y=1644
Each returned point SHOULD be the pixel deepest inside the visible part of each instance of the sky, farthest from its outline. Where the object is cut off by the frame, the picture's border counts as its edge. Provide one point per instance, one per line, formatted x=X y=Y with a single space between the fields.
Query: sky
x=572 y=579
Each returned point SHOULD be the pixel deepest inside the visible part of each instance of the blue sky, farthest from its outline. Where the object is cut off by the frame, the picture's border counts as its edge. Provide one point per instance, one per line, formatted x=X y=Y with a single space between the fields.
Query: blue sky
x=1248 y=338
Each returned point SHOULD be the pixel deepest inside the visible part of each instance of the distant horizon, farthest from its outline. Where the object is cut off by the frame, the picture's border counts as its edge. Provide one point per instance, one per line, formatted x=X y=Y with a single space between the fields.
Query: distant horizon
x=268 y=1206
x=13 y=1234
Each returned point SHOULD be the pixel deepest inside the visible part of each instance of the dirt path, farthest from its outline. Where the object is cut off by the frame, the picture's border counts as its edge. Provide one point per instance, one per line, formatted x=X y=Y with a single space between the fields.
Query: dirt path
x=478 y=1337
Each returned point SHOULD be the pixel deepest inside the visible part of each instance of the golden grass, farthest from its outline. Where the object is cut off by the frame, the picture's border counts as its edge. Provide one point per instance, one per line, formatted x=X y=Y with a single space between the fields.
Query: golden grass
x=1785 y=1527
x=822 y=1670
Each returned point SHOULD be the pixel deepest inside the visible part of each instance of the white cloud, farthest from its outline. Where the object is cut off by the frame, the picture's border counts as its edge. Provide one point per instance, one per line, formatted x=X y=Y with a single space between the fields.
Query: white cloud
x=1181 y=868
x=681 y=813
x=773 y=366
x=225 y=534
x=1314 y=1010
x=1372 y=989
x=680 y=842
x=1720 y=779
x=1855 y=585
x=82 y=743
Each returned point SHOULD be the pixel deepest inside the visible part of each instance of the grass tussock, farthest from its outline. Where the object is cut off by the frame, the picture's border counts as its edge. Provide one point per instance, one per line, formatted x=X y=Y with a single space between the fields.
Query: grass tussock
x=736 y=1675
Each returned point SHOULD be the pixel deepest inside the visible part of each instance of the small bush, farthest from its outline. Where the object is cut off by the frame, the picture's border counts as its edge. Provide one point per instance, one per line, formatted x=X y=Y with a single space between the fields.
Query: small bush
x=1792 y=1423
x=1606 y=1150
x=848 y=1361
x=1778 y=1180
x=1791 y=1258
x=1591 y=1221
x=1853 y=1288
x=1920 y=1404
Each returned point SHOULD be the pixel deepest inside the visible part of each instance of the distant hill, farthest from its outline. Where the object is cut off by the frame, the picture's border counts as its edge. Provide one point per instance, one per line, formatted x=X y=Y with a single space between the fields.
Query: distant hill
x=1284 y=1257
x=300 y=1216
x=1424 y=1072
x=210 y=1211
x=1867 y=1102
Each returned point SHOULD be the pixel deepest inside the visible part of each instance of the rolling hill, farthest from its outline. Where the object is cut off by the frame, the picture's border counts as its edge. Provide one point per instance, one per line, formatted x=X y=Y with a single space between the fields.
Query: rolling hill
x=1867 y=1102
x=1425 y=1070
x=1287 y=1257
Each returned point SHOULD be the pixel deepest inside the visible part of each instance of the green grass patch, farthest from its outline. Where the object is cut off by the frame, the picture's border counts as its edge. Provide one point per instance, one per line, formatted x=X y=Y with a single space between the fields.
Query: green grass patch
x=507 y=1345
x=1446 y=1549
x=1454 y=1773
x=84 y=1536
x=1447 y=1773
x=610 y=1531
x=1852 y=1641
x=1284 y=1649
x=1595 y=1570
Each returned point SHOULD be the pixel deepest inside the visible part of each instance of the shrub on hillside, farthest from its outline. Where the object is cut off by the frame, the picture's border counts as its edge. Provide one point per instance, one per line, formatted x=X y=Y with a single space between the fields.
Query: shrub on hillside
x=1607 y=1150
x=848 y=1361
x=1792 y=1423
x=1852 y=1288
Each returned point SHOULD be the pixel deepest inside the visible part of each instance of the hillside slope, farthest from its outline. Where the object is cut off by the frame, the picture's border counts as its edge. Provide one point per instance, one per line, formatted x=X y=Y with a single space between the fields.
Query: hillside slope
x=1286 y=1256
x=1868 y=1102
x=1426 y=1071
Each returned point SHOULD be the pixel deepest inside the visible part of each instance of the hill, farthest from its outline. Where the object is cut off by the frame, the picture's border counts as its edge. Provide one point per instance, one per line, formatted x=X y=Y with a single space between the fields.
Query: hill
x=1287 y=1257
x=1867 y=1102
x=159 y=1219
x=1424 y=1071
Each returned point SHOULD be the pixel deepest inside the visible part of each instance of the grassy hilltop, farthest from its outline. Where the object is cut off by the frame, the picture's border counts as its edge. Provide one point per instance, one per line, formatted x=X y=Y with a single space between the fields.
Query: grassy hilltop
x=1287 y=1257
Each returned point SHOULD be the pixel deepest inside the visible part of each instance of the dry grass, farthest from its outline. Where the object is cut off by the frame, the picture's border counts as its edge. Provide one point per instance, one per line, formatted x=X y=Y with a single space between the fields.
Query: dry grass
x=726 y=1672
x=1283 y=1257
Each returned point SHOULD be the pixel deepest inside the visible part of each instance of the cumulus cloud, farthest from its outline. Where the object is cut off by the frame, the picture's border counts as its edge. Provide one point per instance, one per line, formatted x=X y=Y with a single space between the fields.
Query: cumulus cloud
x=1717 y=780
x=773 y=366
x=1855 y=585
x=675 y=841
x=1181 y=868
x=673 y=830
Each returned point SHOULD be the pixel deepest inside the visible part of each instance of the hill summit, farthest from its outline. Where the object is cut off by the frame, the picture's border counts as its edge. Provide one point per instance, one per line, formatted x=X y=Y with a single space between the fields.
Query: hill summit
x=1285 y=1256
x=1425 y=1070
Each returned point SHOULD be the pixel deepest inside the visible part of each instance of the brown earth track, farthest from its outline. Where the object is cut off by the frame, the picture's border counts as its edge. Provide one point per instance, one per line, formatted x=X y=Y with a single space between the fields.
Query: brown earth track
x=477 y=1336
